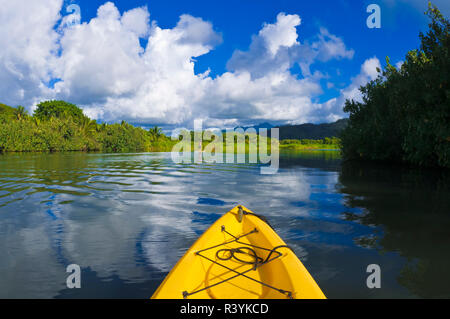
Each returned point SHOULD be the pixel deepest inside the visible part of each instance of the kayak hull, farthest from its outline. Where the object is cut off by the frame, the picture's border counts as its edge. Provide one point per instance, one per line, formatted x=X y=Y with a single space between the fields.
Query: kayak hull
x=255 y=271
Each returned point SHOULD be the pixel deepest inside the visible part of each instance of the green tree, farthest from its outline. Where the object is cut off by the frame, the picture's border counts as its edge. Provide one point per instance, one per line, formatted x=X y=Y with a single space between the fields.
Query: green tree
x=121 y=138
x=88 y=127
x=155 y=133
x=21 y=112
x=59 y=109
x=7 y=113
x=404 y=115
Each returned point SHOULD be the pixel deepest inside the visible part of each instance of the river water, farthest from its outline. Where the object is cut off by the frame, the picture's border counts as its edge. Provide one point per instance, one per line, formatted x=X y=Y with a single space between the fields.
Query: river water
x=127 y=218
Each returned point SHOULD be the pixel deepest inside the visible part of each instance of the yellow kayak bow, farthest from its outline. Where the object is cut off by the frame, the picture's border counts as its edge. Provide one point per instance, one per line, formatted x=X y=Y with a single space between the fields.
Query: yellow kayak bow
x=239 y=257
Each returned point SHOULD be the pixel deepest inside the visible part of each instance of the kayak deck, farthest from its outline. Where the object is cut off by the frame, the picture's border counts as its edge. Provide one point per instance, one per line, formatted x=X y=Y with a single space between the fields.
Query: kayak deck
x=239 y=257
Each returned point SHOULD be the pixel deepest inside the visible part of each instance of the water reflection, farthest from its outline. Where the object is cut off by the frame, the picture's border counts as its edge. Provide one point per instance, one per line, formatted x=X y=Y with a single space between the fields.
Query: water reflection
x=127 y=218
x=412 y=207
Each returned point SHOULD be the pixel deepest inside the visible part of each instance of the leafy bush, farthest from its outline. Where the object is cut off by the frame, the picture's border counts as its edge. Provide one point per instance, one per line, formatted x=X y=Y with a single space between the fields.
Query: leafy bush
x=123 y=138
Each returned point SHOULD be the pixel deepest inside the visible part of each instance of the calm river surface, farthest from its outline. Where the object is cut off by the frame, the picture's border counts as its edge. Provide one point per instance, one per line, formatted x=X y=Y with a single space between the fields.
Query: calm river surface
x=127 y=218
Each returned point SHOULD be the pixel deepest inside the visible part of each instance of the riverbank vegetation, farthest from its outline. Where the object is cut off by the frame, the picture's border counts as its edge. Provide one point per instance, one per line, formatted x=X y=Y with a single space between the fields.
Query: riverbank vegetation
x=405 y=113
x=250 y=142
x=61 y=126
x=328 y=143
x=57 y=126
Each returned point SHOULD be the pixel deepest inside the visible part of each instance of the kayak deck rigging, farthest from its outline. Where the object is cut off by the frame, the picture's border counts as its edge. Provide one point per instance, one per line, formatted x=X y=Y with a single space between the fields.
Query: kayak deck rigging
x=257 y=260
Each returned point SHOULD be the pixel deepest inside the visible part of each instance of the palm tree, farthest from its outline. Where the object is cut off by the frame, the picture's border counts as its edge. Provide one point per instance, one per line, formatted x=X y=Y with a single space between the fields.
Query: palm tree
x=21 y=113
x=155 y=132
x=88 y=126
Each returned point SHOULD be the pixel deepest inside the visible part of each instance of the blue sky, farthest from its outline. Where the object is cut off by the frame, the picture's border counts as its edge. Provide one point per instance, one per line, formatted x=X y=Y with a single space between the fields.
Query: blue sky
x=169 y=62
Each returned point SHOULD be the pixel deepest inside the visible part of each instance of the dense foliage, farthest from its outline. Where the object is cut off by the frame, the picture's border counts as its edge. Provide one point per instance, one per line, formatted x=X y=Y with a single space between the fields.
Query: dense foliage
x=405 y=113
x=303 y=144
x=61 y=126
x=59 y=109
x=325 y=141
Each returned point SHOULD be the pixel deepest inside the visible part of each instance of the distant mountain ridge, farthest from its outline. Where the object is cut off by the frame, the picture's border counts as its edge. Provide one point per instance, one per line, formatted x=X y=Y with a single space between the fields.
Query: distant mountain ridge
x=305 y=131
x=312 y=131
x=257 y=127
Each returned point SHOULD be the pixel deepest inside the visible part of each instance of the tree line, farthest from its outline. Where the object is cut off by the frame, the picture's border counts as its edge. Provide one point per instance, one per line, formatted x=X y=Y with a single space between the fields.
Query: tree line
x=62 y=126
x=57 y=126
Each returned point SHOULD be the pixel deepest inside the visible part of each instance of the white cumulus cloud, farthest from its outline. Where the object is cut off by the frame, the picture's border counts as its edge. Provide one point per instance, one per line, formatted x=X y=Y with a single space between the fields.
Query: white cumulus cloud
x=28 y=40
x=102 y=66
x=283 y=33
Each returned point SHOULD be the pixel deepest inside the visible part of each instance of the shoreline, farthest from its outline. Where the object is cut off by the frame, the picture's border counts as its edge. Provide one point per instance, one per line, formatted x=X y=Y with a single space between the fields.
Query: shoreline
x=152 y=151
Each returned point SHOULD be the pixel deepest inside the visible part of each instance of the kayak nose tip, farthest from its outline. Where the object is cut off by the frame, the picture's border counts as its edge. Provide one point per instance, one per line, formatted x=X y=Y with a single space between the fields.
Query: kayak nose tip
x=240 y=215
